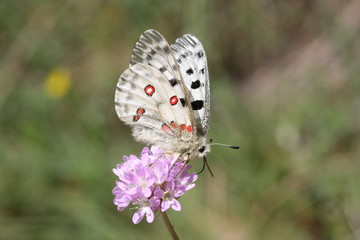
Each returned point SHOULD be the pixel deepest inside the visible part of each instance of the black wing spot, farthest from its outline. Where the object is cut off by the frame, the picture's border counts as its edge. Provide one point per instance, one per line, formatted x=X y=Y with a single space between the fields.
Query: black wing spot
x=121 y=84
x=136 y=118
x=135 y=77
x=173 y=82
x=179 y=60
x=197 y=105
x=162 y=69
x=190 y=71
x=147 y=39
x=183 y=103
x=152 y=52
x=195 y=85
x=158 y=48
x=126 y=108
x=148 y=57
x=124 y=75
x=166 y=49
x=156 y=36
x=129 y=97
x=202 y=70
x=200 y=54
x=183 y=55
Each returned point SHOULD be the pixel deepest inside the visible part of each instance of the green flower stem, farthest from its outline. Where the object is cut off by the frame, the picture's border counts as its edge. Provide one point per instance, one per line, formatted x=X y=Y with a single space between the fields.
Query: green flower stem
x=169 y=226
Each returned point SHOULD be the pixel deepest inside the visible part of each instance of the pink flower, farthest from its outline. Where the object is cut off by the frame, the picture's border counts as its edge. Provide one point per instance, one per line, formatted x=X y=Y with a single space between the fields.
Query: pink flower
x=154 y=181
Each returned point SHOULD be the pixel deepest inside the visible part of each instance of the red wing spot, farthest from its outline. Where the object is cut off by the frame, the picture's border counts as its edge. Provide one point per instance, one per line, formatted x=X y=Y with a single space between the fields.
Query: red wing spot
x=173 y=124
x=189 y=129
x=140 y=111
x=165 y=127
x=182 y=127
x=136 y=118
x=174 y=100
x=149 y=90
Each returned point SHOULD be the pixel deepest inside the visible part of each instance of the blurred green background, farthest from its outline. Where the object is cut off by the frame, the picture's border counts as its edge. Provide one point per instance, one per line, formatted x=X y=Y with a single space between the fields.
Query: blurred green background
x=285 y=87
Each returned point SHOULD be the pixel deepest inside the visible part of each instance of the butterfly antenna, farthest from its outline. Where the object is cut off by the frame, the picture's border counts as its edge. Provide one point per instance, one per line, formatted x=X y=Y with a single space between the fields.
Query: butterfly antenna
x=225 y=145
x=205 y=163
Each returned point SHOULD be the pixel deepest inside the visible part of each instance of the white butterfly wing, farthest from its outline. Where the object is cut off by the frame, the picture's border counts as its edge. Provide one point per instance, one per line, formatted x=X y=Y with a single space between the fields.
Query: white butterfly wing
x=191 y=57
x=151 y=96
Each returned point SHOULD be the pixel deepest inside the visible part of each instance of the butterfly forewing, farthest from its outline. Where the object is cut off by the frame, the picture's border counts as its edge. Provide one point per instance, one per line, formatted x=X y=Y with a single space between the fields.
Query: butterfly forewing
x=191 y=57
x=153 y=49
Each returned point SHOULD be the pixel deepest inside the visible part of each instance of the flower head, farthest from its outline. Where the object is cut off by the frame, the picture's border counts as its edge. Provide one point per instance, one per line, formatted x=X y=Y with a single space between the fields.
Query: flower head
x=57 y=84
x=154 y=181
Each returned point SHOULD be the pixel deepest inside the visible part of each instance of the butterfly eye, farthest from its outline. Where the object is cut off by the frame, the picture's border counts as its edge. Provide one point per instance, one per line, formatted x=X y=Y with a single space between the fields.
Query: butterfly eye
x=202 y=149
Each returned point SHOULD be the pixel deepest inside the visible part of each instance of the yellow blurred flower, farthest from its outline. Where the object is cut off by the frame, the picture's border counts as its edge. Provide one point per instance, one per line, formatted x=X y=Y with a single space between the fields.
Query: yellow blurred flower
x=58 y=82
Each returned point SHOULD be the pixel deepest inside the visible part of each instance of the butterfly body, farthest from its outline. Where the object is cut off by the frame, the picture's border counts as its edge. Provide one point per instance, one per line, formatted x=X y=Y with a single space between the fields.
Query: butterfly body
x=165 y=94
x=188 y=148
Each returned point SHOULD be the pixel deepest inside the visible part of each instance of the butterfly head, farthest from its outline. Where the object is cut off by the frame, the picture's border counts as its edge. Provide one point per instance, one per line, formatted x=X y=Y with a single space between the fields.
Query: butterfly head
x=196 y=149
x=203 y=150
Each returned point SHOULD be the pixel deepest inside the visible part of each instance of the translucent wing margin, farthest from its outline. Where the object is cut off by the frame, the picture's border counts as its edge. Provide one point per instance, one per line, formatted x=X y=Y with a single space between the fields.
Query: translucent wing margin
x=191 y=58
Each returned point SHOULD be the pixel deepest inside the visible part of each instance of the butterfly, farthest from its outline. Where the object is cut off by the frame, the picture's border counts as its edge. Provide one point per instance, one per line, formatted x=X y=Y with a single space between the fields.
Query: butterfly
x=164 y=95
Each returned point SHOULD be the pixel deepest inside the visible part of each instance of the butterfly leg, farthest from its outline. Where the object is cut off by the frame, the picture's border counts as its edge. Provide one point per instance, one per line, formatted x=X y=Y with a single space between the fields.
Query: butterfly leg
x=205 y=163
x=203 y=167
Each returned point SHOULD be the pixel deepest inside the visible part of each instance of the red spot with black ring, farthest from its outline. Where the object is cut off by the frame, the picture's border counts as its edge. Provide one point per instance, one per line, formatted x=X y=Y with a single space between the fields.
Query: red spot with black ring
x=173 y=124
x=149 y=90
x=165 y=127
x=174 y=100
x=189 y=129
x=140 y=111
x=136 y=118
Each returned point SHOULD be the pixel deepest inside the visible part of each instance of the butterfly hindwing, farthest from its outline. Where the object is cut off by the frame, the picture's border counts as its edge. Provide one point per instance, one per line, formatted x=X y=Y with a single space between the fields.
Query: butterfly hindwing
x=145 y=99
x=191 y=57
